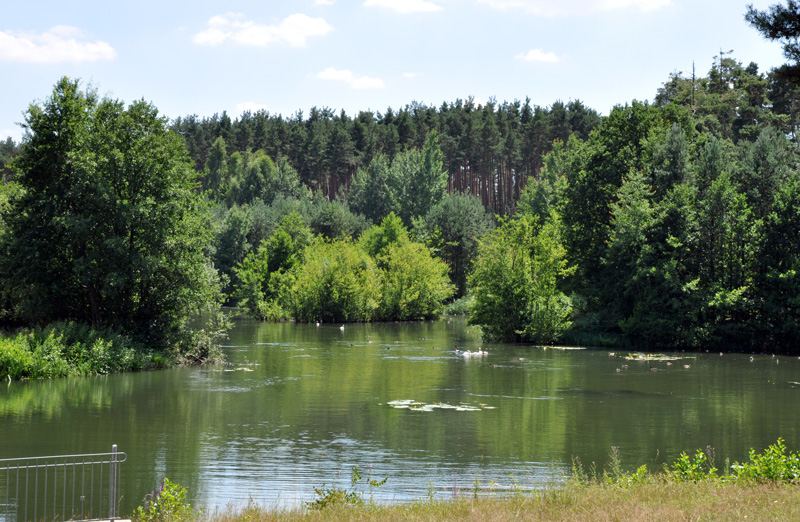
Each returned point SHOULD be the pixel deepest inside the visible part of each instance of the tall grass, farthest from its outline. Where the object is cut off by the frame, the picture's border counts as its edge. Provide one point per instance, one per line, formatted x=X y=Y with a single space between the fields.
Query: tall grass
x=68 y=348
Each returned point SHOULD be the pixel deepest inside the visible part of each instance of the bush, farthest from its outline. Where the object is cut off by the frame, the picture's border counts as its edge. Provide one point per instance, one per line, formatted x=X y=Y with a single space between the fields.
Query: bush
x=329 y=497
x=337 y=282
x=415 y=284
x=515 y=283
x=166 y=504
x=461 y=306
x=774 y=465
x=68 y=348
x=701 y=467
x=16 y=360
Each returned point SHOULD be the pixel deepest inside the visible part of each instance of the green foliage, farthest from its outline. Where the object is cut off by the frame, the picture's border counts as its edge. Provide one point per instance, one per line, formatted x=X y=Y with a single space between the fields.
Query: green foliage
x=730 y=102
x=515 y=283
x=231 y=243
x=108 y=229
x=8 y=150
x=166 y=504
x=688 y=469
x=203 y=346
x=264 y=275
x=542 y=195
x=460 y=306
x=372 y=192
x=332 y=219
x=773 y=465
x=421 y=178
x=410 y=185
x=452 y=229
x=253 y=176
x=414 y=283
x=383 y=276
x=69 y=348
x=595 y=173
x=377 y=240
x=337 y=497
x=337 y=282
x=779 y=22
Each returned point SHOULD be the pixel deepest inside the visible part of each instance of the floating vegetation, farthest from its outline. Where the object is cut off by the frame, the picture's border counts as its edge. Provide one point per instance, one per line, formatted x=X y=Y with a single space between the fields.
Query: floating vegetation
x=240 y=369
x=652 y=357
x=563 y=348
x=412 y=405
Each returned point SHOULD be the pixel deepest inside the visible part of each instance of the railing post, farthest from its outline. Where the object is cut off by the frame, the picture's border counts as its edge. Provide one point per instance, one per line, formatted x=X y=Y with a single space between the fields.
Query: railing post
x=112 y=481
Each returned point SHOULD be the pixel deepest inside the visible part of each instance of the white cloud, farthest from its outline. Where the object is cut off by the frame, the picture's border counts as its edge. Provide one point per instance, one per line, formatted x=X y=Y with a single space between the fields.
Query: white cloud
x=572 y=7
x=537 y=55
x=405 y=6
x=60 y=44
x=324 y=2
x=14 y=134
x=356 y=82
x=294 y=30
x=251 y=106
x=411 y=75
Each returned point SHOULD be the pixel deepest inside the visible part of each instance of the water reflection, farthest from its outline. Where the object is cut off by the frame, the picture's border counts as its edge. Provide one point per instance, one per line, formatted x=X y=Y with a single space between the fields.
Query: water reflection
x=299 y=405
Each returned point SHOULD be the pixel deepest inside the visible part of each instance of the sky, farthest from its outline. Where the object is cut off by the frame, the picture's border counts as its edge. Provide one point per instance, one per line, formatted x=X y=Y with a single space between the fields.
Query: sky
x=205 y=57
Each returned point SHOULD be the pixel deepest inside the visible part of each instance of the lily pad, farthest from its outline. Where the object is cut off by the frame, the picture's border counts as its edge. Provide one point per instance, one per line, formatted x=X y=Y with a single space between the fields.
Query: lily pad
x=652 y=357
x=412 y=405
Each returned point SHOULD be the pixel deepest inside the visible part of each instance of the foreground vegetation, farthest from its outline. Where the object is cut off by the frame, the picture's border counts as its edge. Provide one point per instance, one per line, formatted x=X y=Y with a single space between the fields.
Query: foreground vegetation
x=762 y=488
x=663 y=502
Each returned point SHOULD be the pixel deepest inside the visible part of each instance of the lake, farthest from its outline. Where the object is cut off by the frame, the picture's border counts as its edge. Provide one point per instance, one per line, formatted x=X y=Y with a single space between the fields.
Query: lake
x=299 y=405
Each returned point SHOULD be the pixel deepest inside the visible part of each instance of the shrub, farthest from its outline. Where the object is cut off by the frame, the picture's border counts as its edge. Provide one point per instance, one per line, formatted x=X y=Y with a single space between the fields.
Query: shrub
x=166 y=504
x=353 y=496
x=700 y=467
x=337 y=282
x=68 y=348
x=774 y=465
x=415 y=284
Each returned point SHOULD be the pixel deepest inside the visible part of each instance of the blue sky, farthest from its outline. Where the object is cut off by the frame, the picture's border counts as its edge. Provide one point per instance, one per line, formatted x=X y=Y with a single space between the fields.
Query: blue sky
x=206 y=57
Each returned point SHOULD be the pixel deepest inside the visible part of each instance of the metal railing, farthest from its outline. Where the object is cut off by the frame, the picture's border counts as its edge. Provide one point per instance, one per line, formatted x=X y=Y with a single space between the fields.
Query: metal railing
x=60 y=488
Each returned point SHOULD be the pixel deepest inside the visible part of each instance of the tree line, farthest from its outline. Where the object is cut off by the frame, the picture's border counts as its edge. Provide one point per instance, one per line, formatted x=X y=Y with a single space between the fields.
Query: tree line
x=489 y=150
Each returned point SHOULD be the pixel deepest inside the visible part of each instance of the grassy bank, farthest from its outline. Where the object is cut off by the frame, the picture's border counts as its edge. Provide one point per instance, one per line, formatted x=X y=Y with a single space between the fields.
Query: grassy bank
x=766 y=487
x=590 y=503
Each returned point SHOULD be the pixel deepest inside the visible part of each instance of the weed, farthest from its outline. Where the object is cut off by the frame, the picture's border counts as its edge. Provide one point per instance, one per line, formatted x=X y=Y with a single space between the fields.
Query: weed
x=687 y=469
x=328 y=497
x=774 y=465
x=166 y=504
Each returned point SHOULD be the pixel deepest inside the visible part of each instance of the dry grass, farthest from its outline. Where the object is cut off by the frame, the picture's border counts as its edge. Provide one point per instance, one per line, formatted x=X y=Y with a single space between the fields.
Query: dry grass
x=656 y=501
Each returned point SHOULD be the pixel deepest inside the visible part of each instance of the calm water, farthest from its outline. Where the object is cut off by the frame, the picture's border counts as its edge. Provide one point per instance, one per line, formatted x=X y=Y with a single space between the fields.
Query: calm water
x=300 y=406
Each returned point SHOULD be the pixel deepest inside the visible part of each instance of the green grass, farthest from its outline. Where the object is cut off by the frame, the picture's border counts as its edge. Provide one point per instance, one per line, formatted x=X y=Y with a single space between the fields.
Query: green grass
x=766 y=487
x=662 y=501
